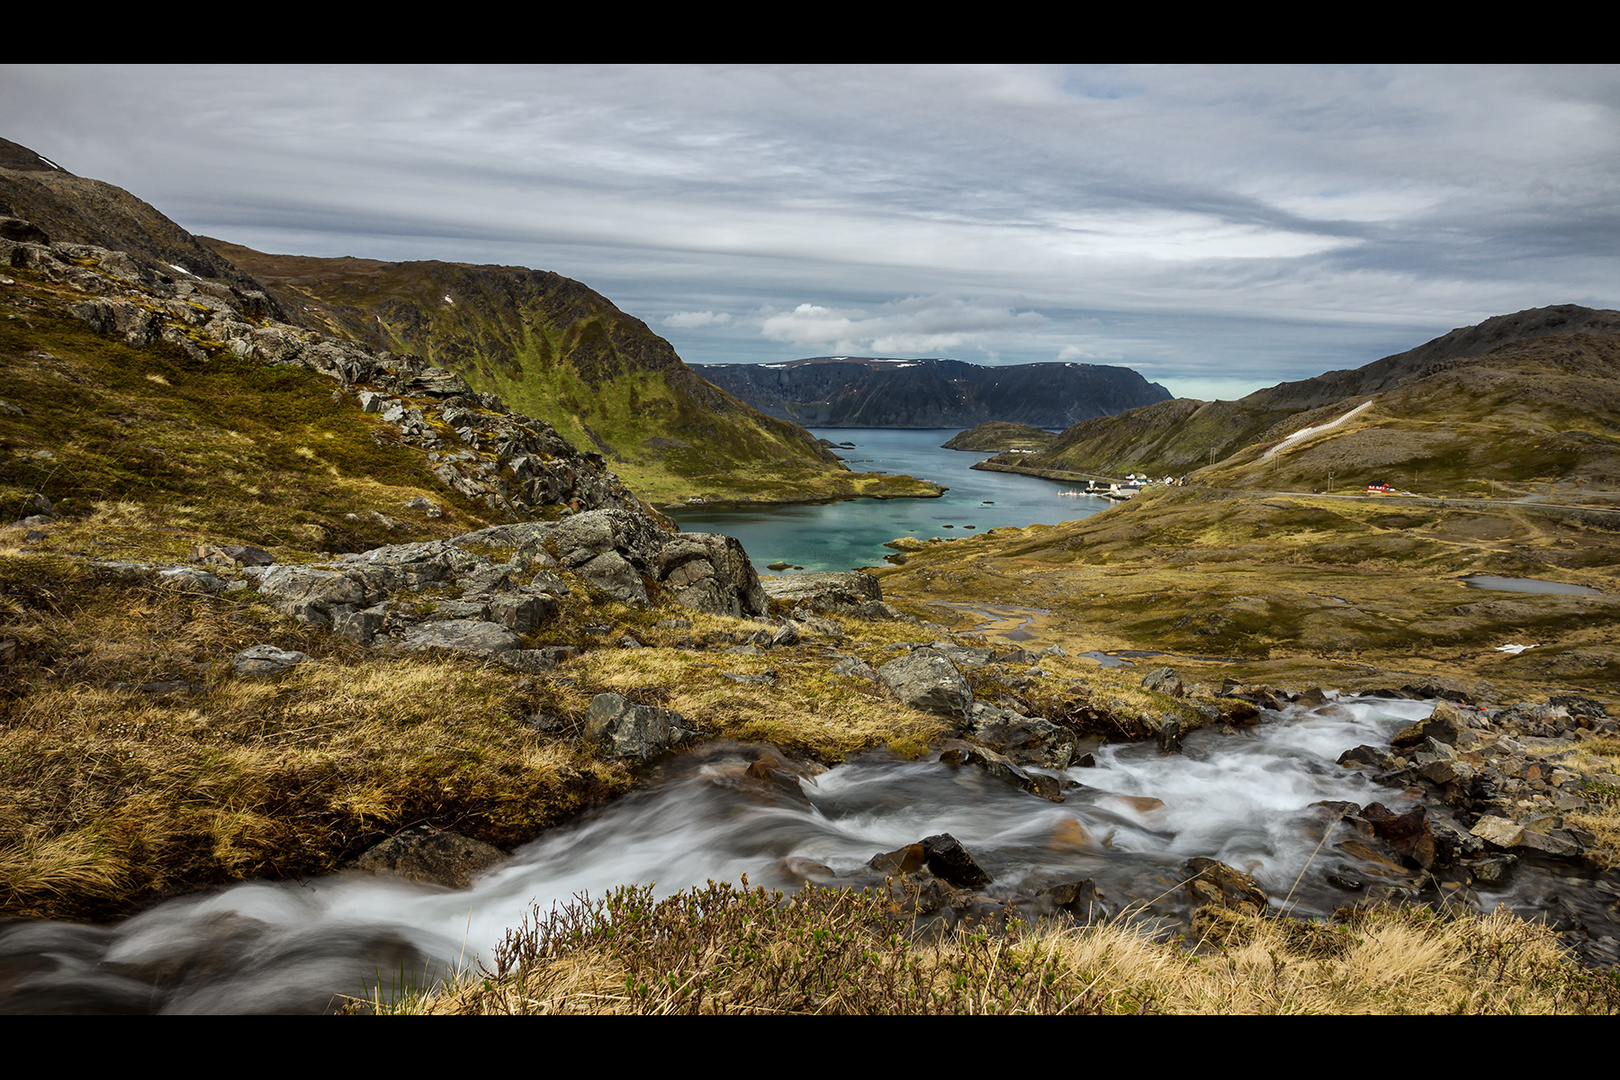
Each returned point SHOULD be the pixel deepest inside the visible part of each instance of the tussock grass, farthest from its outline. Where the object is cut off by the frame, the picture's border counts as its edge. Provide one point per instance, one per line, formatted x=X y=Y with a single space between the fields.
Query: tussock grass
x=724 y=950
x=116 y=789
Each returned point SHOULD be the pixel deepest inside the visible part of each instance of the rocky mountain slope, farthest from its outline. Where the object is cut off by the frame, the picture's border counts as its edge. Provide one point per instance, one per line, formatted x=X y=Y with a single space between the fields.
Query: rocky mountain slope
x=555 y=349
x=549 y=346
x=1527 y=398
x=845 y=391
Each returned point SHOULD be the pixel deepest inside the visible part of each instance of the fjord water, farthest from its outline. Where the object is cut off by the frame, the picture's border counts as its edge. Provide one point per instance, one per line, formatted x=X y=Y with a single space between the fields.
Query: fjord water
x=844 y=535
x=1247 y=799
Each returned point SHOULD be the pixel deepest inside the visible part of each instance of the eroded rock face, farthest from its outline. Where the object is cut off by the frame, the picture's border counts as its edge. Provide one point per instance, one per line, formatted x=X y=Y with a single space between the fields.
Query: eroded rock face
x=369 y=596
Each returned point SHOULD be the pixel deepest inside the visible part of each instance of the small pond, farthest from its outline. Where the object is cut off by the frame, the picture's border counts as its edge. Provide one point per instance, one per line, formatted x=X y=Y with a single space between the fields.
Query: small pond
x=1524 y=584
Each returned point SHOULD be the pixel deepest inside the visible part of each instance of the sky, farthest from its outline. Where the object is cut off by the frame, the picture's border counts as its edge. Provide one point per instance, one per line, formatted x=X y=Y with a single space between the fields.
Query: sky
x=1218 y=229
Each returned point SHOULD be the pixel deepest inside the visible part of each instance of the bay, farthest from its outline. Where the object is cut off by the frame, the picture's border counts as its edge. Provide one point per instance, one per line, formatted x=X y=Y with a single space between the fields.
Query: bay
x=850 y=534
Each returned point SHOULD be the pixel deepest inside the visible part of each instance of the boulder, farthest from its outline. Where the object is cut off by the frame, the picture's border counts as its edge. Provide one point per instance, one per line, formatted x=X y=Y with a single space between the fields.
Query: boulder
x=432 y=856
x=947 y=859
x=833 y=593
x=924 y=679
x=1163 y=680
x=639 y=732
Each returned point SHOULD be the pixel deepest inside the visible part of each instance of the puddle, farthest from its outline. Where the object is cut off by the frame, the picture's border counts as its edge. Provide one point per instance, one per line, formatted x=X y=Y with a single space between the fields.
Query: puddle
x=1525 y=585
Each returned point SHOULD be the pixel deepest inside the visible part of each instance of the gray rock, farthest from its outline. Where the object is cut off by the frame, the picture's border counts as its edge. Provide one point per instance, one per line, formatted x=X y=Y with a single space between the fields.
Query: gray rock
x=617 y=578
x=521 y=613
x=361 y=626
x=431 y=856
x=191 y=578
x=639 y=732
x=461 y=635
x=262 y=661
x=926 y=680
x=854 y=667
x=1163 y=681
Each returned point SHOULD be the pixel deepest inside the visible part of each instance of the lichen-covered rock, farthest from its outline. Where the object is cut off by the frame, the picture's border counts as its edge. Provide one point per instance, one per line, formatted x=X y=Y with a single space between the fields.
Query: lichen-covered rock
x=460 y=635
x=263 y=661
x=642 y=733
x=924 y=679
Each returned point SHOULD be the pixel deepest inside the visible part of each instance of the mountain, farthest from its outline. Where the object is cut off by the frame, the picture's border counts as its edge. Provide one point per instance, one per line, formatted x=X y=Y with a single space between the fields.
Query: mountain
x=557 y=350
x=845 y=391
x=1532 y=397
x=549 y=346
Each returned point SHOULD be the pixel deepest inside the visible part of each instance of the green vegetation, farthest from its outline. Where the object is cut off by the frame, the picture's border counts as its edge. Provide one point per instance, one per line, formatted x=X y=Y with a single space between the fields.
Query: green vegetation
x=556 y=350
x=996 y=437
x=1533 y=417
x=151 y=450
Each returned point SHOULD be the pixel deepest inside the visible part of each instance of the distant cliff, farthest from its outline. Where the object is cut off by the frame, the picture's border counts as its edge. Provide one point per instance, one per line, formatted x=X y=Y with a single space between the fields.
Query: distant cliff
x=846 y=391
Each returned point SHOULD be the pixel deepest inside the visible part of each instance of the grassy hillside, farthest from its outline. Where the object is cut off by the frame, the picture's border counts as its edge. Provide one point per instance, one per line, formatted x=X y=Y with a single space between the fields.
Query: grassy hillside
x=1332 y=591
x=554 y=349
x=136 y=764
x=1518 y=397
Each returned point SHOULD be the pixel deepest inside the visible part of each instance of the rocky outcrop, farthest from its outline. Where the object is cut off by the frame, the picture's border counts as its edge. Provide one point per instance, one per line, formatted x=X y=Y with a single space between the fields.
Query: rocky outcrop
x=480 y=592
x=832 y=593
x=475 y=445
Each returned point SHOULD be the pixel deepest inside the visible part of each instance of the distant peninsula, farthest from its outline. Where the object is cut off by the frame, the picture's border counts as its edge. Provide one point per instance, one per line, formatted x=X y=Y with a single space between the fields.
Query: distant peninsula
x=887 y=392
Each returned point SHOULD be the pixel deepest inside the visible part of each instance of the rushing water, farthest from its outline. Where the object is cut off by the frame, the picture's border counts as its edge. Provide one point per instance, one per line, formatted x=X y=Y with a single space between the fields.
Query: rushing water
x=1245 y=799
x=844 y=535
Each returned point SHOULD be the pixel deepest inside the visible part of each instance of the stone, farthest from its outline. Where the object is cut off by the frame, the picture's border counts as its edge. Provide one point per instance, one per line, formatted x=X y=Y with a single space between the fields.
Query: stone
x=263 y=661
x=432 y=856
x=926 y=680
x=232 y=555
x=642 y=733
x=947 y=859
x=1163 y=680
x=460 y=635
x=1212 y=882
x=610 y=573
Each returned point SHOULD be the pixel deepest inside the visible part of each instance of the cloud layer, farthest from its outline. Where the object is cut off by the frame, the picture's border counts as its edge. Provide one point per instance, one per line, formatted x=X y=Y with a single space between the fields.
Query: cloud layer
x=1200 y=224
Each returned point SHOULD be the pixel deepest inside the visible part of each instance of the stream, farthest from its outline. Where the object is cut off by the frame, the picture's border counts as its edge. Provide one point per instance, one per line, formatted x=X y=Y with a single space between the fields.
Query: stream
x=1244 y=798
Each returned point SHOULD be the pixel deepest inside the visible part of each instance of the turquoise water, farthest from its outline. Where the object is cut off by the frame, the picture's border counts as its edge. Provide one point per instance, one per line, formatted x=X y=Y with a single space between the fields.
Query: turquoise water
x=845 y=535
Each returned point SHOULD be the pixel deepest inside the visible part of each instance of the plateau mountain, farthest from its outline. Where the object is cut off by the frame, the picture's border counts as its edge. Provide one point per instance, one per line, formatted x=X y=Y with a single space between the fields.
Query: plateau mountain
x=848 y=391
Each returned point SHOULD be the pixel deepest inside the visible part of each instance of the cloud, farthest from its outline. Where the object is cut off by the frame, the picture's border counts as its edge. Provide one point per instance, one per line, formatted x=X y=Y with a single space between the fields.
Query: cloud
x=916 y=324
x=692 y=320
x=1076 y=353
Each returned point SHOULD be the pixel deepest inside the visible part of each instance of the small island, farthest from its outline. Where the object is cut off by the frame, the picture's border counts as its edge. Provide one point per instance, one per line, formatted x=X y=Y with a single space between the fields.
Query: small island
x=997 y=437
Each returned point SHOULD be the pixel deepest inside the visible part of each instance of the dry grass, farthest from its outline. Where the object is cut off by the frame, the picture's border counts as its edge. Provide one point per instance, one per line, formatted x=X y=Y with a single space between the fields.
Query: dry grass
x=721 y=950
x=116 y=789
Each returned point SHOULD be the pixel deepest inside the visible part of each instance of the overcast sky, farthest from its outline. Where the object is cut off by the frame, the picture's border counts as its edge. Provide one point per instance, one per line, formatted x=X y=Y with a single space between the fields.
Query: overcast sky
x=1217 y=229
